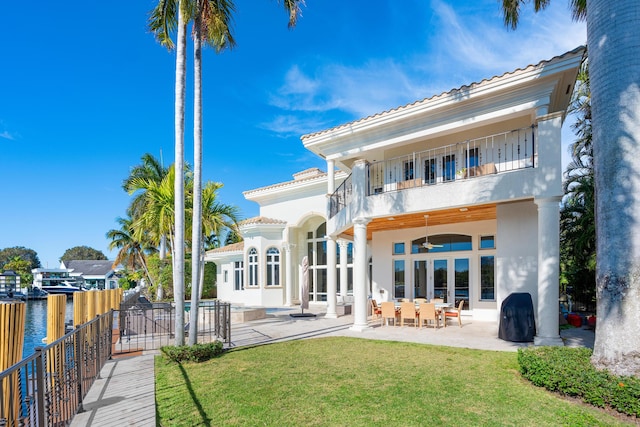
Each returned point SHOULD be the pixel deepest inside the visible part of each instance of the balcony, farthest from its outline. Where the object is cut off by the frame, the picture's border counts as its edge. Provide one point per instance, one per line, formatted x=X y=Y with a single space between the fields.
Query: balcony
x=469 y=159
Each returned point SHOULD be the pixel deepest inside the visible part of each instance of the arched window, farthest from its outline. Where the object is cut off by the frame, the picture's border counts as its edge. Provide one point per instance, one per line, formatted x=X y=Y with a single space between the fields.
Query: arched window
x=253 y=267
x=273 y=267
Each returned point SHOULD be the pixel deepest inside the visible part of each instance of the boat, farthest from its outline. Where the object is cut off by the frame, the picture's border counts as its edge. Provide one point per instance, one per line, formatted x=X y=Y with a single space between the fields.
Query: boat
x=66 y=288
x=12 y=296
x=37 y=293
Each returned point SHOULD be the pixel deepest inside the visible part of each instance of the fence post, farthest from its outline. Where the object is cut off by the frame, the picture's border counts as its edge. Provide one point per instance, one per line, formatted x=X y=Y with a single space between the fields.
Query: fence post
x=96 y=341
x=110 y=333
x=78 y=349
x=40 y=388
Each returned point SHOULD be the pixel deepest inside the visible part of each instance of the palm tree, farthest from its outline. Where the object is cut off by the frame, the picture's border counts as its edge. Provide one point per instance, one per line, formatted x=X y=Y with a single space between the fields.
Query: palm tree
x=162 y=23
x=150 y=170
x=132 y=251
x=215 y=218
x=615 y=93
x=577 y=215
x=213 y=26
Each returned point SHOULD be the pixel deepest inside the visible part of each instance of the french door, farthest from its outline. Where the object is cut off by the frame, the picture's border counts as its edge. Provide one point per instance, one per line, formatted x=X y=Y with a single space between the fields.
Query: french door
x=439 y=277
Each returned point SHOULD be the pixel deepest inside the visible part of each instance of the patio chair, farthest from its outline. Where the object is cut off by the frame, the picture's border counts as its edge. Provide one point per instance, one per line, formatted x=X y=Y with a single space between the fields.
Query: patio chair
x=419 y=300
x=376 y=311
x=437 y=300
x=408 y=312
x=388 y=311
x=454 y=314
x=428 y=313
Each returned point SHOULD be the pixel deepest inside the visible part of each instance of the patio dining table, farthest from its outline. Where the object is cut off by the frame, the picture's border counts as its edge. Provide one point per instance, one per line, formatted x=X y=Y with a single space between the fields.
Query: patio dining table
x=441 y=307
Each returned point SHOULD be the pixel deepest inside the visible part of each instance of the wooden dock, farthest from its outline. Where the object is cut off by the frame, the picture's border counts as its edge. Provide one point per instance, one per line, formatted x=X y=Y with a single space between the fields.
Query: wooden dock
x=123 y=396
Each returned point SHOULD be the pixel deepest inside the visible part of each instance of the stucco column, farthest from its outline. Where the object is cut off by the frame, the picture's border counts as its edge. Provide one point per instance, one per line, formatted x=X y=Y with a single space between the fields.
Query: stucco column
x=288 y=273
x=332 y=278
x=360 y=274
x=331 y=177
x=344 y=269
x=547 y=331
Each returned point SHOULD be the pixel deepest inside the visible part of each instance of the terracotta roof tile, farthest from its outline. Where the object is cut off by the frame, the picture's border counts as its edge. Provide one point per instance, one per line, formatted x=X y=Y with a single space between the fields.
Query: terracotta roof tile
x=260 y=220
x=228 y=248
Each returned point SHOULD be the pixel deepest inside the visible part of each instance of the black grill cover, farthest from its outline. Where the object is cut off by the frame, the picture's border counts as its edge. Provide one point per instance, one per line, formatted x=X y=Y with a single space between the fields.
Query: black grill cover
x=517 y=320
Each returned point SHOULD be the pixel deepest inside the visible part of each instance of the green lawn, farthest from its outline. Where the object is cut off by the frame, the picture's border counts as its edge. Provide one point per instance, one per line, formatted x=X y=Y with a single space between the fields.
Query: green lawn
x=341 y=381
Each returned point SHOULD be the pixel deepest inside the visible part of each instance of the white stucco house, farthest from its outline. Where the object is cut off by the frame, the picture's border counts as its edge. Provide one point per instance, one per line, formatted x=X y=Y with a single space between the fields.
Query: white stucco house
x=454 y=196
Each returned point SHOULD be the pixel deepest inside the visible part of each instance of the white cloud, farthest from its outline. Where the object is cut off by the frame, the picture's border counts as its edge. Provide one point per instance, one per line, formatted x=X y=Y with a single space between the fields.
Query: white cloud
x=7 y=135
x=476 y=43
x=462 y=46
x=288 y=125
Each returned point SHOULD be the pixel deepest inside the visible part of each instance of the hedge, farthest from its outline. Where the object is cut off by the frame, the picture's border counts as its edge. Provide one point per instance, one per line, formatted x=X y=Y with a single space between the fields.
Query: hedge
x=192 y=353
x=569 y=371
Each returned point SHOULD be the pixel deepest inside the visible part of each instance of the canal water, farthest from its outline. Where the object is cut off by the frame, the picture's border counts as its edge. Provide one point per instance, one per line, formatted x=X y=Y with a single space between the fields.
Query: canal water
x=35 y=325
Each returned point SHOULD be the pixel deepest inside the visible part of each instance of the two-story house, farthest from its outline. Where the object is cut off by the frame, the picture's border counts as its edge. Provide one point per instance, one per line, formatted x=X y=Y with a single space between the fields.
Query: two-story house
x=455 y=196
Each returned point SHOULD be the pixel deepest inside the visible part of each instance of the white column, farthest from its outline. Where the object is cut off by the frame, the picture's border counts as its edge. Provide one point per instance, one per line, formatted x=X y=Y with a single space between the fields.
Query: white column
x=332 y=278
x=331 y=177
x=360 y=274
x=289 y=267
x=547 y=331
x=344 y=269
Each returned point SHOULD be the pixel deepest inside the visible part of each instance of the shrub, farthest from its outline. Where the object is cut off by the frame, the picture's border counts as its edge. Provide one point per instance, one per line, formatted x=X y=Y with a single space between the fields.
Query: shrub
x=192 y=353
x=569 y=371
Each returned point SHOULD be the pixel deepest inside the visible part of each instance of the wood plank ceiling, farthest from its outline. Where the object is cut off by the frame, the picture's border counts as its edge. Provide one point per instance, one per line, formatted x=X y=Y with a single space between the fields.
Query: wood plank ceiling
x=413 y=220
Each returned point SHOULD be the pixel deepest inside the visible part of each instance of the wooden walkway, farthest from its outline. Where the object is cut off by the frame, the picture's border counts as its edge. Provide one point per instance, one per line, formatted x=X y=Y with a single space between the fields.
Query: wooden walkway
x=124 y=396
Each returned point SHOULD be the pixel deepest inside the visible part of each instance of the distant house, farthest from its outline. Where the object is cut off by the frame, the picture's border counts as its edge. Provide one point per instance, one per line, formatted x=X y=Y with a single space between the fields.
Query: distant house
x=92 y=274
x=456 y=197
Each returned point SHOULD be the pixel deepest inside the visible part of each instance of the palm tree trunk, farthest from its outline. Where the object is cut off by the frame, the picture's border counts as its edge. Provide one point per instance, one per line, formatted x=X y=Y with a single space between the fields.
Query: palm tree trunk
x=178 y=246
x=196 y=236
x=144 y=265
x=614 y=66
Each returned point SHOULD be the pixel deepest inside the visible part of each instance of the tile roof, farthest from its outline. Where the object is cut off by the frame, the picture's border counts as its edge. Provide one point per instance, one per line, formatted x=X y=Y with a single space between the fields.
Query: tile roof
x=234 y=247
x=298 y=177
x=261 y=220
x=442 y=95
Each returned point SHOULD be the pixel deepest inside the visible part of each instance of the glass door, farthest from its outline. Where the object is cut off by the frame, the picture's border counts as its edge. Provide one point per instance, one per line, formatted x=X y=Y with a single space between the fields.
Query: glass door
x=440 y=279
x=420 y=279
x=461 y=282
x=430 y=279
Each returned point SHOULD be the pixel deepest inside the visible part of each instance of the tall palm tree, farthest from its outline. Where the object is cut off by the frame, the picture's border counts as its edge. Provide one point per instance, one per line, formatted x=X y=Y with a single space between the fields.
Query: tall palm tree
x=215 y=17
x=162 y=23
x=212 y=25
x=612 y=40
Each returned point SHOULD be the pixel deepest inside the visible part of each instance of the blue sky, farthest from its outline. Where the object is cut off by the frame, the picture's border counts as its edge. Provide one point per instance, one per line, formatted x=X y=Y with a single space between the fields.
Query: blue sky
x=85 y=91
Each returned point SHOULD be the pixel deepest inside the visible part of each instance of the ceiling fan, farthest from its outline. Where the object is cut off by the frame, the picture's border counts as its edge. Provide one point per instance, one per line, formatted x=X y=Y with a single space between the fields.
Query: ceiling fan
x=428 y=245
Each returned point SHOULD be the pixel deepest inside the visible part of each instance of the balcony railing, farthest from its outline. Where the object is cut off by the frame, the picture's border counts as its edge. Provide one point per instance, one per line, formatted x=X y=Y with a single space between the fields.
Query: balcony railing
x=473 y=158
x=341 y=197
